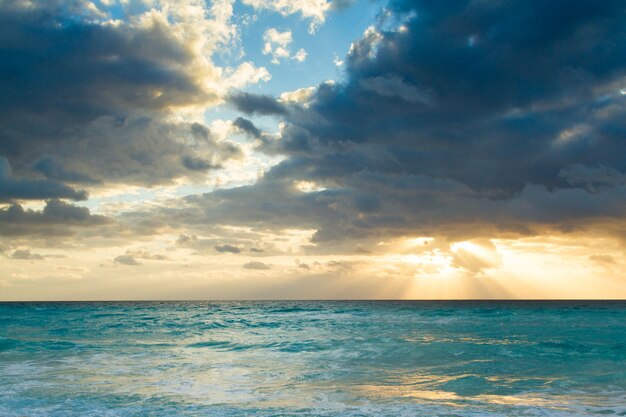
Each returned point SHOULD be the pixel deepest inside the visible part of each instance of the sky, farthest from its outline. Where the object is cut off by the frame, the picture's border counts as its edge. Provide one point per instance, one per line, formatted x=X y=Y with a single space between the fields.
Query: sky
x=312 y=149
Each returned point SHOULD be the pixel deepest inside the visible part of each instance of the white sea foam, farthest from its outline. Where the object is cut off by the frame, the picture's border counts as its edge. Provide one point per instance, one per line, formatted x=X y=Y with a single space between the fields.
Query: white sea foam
x=312 y=359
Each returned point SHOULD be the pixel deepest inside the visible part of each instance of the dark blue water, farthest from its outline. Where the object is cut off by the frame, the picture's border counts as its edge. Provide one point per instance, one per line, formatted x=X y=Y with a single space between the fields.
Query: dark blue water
x=313 y=359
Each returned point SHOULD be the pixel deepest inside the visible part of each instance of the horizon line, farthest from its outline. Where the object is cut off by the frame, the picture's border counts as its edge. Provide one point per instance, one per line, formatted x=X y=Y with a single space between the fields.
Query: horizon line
x=324 y=300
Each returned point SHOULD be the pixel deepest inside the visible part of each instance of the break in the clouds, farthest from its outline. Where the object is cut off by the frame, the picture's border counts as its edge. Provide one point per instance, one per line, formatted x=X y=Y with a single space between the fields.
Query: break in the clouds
x=454 y=138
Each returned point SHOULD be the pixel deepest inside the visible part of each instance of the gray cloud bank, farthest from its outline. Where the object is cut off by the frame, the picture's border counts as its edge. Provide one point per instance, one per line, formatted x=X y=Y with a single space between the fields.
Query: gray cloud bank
x=12 y=188
x=460 y=118
x=454 y=118
x=56 y=219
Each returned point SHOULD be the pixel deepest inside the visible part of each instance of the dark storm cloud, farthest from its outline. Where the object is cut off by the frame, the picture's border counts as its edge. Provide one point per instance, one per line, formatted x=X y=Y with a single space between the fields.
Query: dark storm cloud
x=376 y=205
x=260 y=104
x=456 y=116
x=52 y=169
x=12 y=188
x=84 y=102
x=481 y=92
x=54 y=64
x=247 y=126
x=144 y=151
x=56 y=219
x=197 y=164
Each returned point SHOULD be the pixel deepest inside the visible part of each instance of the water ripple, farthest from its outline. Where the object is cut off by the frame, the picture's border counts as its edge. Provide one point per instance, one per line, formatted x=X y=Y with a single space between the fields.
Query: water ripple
x=312 y=359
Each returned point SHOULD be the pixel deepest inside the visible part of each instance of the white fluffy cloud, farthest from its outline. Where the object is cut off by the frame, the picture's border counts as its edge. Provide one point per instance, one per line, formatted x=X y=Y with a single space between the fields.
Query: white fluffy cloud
x=315 y=10
x=205 y=28
x=277 y=44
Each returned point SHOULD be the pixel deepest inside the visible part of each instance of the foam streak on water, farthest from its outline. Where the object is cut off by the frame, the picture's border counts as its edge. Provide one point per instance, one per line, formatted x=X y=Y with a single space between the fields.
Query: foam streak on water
x=313 y=359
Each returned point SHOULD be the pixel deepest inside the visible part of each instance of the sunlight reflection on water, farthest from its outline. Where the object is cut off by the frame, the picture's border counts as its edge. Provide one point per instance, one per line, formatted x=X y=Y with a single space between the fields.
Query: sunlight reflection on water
x=312 y=358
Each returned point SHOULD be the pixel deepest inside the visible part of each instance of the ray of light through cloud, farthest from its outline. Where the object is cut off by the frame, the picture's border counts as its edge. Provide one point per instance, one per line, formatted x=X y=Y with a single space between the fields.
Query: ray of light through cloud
x=312 y=149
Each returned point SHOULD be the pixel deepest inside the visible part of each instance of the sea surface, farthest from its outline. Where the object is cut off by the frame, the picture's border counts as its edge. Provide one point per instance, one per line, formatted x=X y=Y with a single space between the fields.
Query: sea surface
x=313 y=359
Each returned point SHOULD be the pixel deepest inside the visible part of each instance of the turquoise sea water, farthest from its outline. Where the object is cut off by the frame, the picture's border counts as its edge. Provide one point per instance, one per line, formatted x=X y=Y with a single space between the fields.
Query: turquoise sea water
x=313 y=359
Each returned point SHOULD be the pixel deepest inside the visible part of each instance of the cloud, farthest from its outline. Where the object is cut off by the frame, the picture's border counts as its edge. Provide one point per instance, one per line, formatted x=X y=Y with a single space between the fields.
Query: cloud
x=593 y=179
x=300 y=56
x=441 y=108
x=457 y=119
x=138 y=150
x=315 y=10
x=227 y=249
x=475 y=256
x=395 y=87
x=603 y=259
x=277 y=43
x=25 y=254
x=131 y=257
x=27 y=189
x=408 y=111
x=126 y=260
x=98 y=68
x=260 y=266
x=247 y=126
x=52 y=169
x=249 y=103
x=244 y=75
x=300 y=96
x=222 y=239
x=341 y=4
x=197 y=164
x=88 y=99
x=56 y=219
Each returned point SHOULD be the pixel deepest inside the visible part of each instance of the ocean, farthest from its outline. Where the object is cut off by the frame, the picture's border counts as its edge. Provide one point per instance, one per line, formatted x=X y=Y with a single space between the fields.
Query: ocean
x=316 y=358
